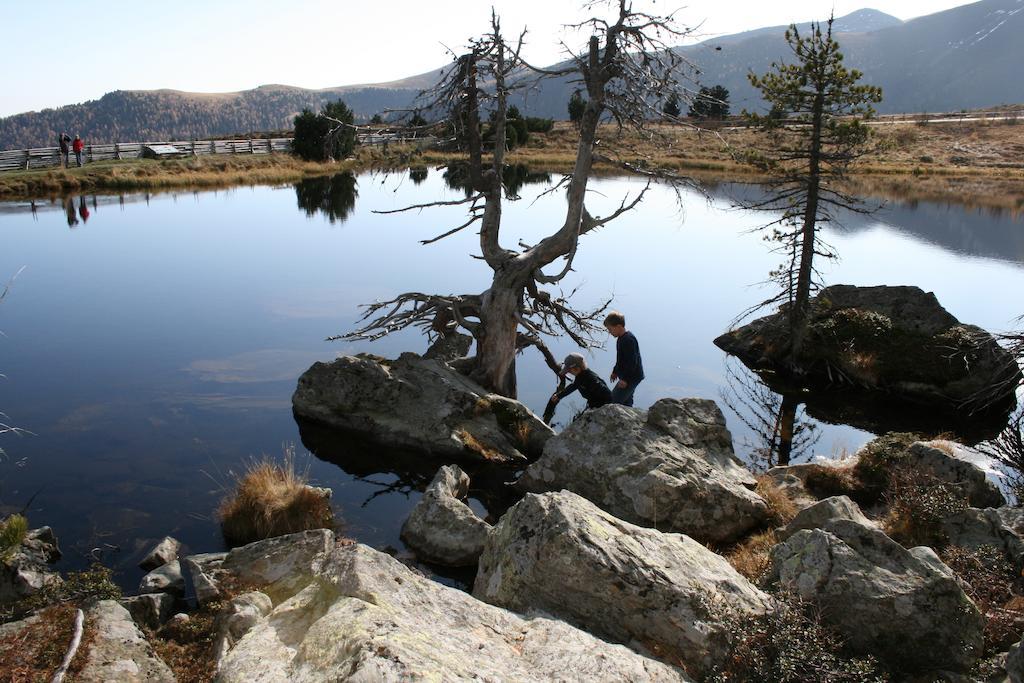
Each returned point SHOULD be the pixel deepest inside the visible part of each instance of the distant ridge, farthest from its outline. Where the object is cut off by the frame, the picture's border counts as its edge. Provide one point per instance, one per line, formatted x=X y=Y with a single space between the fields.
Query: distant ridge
x=962 y=58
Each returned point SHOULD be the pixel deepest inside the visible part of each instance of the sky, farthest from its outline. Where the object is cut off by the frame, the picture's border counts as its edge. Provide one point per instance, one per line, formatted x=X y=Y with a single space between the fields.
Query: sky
x=60 y=52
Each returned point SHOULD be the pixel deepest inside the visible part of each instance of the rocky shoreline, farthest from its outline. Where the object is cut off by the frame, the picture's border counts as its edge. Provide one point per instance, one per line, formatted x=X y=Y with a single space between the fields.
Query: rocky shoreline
x=617 y=562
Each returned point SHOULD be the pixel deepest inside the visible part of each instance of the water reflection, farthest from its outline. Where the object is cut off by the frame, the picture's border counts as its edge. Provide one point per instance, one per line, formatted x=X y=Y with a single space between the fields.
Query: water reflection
x=392 y=472
x=513 y=176
x=779 y=430
x=418 y=175
x=334 y=196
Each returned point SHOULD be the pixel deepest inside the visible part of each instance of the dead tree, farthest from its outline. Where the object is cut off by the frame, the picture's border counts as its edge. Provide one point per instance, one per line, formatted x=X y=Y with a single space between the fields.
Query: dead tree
x=626 y=69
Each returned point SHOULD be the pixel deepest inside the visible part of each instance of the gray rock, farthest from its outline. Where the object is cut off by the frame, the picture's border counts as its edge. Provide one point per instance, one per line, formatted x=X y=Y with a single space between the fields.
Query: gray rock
x=281 y=565
x=165 y=579
x=441 y=528
x=151 y=610
x=903 y=606
x=925 y=458
x=367 y=617
x=559 y=554
x=202 y=584
x=672 y=468
x=920 y=353
x=794 y=479
x=1015 y=663
x=974 y=528
x=818 y=515
x=449 y=347
x=1013 y=519
x=422 y=405
x=163 y=552
x=237 y=619
x=25 y=571
x=119 y=651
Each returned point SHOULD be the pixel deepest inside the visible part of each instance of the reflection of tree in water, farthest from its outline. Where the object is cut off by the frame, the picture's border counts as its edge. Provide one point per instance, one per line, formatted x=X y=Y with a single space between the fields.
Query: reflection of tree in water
x=513 y=176
x=334 y=196
x=393 y=472
x=780 y=428
x=418 y=175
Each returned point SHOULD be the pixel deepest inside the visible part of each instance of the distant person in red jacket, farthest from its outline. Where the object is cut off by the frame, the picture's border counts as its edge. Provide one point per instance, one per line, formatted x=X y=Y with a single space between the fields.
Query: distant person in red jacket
x=78 y=145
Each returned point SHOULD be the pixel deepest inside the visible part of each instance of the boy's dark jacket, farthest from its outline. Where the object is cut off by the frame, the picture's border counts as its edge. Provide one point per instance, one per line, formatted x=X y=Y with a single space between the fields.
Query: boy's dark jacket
x=591 y=387
x=628 y=365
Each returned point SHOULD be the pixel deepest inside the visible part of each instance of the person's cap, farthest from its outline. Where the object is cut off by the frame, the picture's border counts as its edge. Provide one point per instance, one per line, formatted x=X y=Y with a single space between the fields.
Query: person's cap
x=573 y=360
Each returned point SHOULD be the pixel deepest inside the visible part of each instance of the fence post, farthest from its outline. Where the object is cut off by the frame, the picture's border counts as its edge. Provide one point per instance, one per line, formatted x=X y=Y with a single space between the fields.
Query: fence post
x=193 y=147
x=117 y=151
x=250 y=145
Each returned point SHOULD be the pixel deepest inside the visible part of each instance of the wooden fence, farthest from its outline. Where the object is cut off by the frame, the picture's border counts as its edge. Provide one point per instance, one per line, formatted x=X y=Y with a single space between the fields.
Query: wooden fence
x=46 y=157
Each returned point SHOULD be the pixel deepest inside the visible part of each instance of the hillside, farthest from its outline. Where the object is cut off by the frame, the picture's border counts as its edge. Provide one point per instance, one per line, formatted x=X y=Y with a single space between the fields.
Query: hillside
x=964 y=58
x=126 y=115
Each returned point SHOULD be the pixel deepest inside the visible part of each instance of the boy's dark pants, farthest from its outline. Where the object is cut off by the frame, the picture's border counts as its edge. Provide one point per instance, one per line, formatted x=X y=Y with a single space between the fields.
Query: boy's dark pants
x=623 y=397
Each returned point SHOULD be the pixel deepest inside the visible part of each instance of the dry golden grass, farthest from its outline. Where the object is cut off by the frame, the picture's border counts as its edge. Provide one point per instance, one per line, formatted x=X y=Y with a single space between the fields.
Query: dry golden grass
x=471 y=443
x=752 y=557
x=781 y=508
x=272 y=499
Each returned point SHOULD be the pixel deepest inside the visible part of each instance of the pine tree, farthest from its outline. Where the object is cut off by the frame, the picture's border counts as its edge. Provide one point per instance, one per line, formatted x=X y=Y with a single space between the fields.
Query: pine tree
x=808 y=155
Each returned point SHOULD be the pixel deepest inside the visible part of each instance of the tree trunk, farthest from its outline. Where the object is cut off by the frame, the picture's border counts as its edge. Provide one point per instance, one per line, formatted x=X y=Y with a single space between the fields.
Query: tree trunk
x=496 y=342
x=787 y=419
x=798 y=313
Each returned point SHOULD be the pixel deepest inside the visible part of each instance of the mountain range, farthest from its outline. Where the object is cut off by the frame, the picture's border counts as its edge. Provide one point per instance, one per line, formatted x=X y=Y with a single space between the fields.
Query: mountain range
x=963 y=58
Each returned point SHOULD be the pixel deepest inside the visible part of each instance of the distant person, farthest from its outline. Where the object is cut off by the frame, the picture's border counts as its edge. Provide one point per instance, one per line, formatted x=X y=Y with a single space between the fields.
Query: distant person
x=62 y=142
x=83 y=210
x=629 y=368
x=69 y=209
x=78 y=146
x=589 y=384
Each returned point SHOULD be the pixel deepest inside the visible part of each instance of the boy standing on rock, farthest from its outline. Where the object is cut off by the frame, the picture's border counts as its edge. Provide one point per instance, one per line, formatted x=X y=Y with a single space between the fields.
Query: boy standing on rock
x=590 y=386
x=629 y=368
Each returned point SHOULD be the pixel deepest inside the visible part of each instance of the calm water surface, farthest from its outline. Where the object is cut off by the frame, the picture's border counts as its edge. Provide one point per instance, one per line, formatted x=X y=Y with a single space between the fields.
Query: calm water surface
x=152 y=343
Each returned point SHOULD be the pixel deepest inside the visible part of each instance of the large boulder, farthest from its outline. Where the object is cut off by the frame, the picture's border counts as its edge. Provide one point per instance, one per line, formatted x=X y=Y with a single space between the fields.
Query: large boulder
x=821 y=513
x=671 y=467
x=903 y=606
x=889 y=347
x=421 y=405
x=26 y=570
x=363 y=616
x=118 y=650
x=938 y=459
x=974 y=528
x=443 y=529
x=559 y=554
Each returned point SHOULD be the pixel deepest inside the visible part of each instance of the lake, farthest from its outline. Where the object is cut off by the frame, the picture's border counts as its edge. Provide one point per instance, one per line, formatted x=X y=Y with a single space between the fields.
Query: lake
x=152 y=343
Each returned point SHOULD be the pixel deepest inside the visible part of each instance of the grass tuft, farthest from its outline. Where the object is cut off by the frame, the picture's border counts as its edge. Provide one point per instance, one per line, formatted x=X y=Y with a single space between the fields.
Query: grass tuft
x=781 y=508
x=270 y=499
x=12 y=533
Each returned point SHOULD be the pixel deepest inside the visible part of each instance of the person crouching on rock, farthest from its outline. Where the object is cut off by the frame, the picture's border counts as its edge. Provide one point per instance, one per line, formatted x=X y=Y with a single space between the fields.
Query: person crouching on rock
x=590 y=385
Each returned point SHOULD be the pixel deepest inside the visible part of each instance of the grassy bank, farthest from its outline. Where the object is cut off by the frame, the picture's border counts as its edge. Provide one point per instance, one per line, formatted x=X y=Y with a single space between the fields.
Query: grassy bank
x=199 y=172
x=974 y=163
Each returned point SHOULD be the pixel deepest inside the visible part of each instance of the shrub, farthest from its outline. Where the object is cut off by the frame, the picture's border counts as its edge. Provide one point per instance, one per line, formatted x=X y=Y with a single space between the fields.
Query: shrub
x=877 y=461
x=825 y=481
x=12 y=533
x=918 y=505
x=990 y=580
x=314 y=140
x=79 y=588
x=272 y=499
x=539 y=125
x=789 y=645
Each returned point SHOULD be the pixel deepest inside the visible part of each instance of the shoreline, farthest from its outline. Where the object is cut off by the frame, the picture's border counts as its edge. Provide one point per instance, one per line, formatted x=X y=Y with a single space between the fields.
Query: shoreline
x=910 y=165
